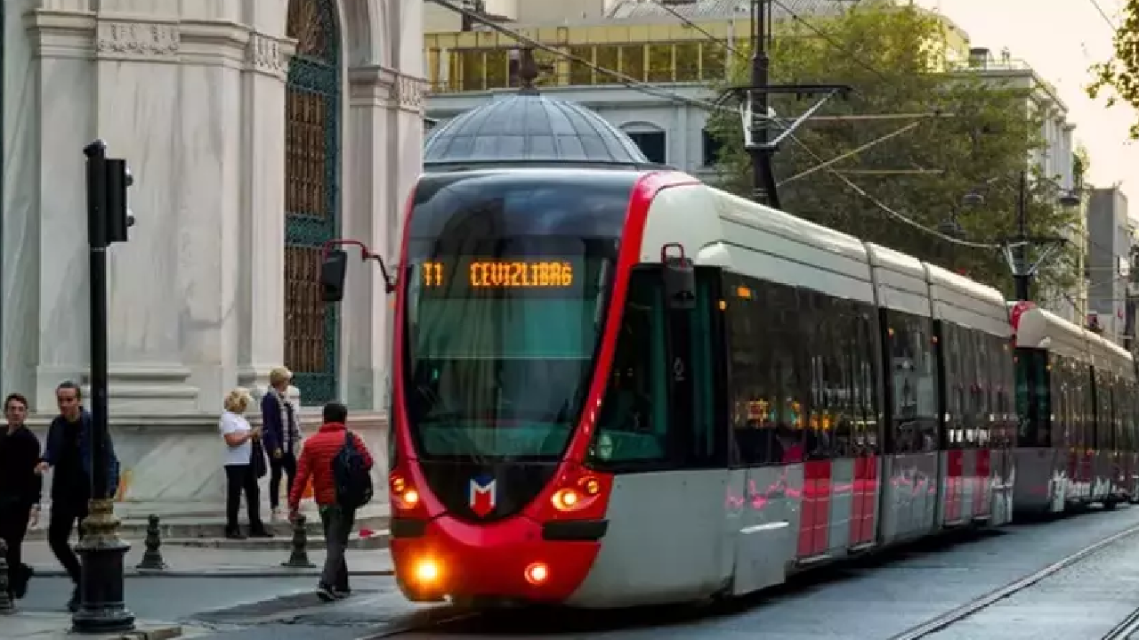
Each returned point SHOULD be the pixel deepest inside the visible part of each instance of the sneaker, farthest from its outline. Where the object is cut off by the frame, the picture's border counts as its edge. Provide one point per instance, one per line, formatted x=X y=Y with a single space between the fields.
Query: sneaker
x=325 y=594
x=259 y=532
x=341 y=593
x=234 y=534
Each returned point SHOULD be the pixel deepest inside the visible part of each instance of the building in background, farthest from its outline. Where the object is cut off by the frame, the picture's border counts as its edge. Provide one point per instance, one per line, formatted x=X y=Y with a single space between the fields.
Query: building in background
x=1108 y=261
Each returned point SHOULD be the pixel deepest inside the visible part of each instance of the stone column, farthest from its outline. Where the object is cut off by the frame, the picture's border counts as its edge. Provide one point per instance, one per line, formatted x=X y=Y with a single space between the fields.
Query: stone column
x=261 y=290
x=139 y=111
x=368 y=217
x=209 y=190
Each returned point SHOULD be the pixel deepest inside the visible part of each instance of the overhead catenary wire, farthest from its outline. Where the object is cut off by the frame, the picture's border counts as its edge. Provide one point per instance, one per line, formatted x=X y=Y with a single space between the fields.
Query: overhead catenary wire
x=662 y=92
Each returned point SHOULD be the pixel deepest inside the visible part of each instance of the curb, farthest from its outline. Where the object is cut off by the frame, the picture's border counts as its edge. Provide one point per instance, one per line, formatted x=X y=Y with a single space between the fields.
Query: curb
x=235 y=572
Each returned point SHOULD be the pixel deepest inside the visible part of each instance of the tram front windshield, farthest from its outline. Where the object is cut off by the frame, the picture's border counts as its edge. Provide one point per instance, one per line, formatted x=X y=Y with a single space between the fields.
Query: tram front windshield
x=506 y=296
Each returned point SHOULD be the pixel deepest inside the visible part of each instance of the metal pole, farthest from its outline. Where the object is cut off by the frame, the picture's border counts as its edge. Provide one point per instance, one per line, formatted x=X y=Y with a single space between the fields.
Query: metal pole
x=1022 y=278
x=763 y=179
x=102 y=607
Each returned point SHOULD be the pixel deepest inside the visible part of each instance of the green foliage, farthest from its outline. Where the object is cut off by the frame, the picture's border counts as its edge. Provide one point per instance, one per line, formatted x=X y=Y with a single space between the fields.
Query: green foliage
x=1119 y=77
x=890 y=55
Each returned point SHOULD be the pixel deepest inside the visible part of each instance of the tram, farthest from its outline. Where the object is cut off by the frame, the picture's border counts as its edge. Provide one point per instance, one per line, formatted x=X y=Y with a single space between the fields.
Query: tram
x=1077 y=406
x=617 y=388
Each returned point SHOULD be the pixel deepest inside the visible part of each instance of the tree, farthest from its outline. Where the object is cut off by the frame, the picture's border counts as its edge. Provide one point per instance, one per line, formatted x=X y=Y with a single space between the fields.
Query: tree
x=890 y=55
x=1120 y=75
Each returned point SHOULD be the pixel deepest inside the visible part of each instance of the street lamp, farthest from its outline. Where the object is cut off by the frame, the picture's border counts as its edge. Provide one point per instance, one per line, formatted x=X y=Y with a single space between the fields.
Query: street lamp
x=102 y=607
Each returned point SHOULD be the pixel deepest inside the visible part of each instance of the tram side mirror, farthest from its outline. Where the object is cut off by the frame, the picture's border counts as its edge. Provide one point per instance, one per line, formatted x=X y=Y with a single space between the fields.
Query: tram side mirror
x=679 y=278
x=333 y=268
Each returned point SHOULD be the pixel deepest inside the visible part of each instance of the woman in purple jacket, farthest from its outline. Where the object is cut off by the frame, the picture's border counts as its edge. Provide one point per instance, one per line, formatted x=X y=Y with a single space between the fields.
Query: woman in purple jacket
x=282 y=435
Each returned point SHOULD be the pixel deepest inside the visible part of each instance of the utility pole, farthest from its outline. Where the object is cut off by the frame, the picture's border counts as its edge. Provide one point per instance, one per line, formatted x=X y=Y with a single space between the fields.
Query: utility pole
x=1022 y=276
x=754 y=104
x=763 y=175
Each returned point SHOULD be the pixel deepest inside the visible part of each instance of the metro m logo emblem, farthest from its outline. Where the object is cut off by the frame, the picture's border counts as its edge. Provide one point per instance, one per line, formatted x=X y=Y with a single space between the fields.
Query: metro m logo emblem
x=482 y=495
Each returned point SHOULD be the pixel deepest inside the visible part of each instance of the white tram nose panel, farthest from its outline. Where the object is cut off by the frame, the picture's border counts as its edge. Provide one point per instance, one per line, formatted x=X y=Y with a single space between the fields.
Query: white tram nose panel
x=666 y=541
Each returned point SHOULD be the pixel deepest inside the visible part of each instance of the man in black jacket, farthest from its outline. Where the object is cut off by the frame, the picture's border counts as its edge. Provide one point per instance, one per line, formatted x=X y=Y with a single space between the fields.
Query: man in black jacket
x=68 y=451
x=20 y=488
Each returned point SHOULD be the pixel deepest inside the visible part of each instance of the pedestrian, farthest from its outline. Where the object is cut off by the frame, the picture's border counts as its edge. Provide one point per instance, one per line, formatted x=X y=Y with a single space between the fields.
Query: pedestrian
x=68 y=453
x=282 y=436
x=20 y=488
x=244 y=465
x=316 y=461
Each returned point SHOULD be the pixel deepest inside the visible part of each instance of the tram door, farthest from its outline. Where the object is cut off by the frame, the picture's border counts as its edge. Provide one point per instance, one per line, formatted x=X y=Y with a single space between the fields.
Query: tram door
x=696 y=391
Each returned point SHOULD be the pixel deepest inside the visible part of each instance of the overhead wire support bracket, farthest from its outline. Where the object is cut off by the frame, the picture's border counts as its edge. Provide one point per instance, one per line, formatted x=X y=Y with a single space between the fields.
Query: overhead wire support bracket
x=1048 y=245
x=748 y=93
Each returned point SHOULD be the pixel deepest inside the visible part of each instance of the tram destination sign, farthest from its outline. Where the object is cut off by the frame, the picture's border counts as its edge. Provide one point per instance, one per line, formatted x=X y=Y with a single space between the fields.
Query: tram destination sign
x=517 y=273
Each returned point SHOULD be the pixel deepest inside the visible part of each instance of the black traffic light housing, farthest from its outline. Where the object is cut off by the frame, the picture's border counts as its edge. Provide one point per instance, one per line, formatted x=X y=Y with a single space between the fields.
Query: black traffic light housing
x=108 y=207
x=119 y=216
x=333 y=268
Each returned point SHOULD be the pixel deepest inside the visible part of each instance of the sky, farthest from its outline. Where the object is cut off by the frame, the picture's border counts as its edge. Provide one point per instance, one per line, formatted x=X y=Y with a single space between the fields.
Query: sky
x=1060 y=39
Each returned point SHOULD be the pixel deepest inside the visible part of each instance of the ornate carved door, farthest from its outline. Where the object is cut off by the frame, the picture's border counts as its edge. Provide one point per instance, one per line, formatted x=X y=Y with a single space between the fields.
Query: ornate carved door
x=312 y=195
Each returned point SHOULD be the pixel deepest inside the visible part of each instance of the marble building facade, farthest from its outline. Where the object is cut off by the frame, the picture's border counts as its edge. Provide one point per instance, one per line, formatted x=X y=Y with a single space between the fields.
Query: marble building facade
x=256 y=129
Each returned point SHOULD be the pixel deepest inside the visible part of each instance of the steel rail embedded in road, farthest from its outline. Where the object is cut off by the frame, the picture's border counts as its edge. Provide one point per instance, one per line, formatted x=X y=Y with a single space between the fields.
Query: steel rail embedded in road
x=1125 y=629
x=945 y=620
x=419 y=626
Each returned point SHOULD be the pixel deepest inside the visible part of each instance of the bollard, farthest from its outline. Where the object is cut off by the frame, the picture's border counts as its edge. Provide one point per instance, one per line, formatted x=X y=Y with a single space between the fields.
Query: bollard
x=7 y=607
x=152 y=557
x=298 y=557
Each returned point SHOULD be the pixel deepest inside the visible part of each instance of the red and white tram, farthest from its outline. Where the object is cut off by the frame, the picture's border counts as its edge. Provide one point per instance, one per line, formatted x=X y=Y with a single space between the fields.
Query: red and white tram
x=1077 y=407
x=615 y=388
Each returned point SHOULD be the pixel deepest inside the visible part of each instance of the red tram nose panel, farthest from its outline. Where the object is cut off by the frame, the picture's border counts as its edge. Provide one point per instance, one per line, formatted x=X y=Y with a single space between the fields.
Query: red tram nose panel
x=489 y=547
x=510 y=559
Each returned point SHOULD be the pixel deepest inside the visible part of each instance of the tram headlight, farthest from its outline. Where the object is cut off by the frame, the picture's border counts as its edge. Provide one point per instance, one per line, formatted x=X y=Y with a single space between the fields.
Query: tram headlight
x=404 y=494
x=427 y=571
x=537 y=573
x=576 y=497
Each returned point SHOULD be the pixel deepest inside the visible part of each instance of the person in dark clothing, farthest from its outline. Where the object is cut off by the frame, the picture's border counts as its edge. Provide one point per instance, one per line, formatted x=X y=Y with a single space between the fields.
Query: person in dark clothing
x=20 y=488
x=282 y=435
x=68 y=452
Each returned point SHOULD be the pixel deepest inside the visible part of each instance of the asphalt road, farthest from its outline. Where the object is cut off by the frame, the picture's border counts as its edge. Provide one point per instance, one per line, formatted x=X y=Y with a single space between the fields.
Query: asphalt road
x=868 y=601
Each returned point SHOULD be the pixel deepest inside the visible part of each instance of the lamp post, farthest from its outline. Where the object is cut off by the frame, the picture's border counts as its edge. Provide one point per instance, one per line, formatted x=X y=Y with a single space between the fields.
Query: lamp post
x=102 y=606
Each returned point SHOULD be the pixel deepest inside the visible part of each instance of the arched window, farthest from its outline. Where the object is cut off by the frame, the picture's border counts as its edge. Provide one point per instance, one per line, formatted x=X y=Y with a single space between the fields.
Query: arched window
x=650 y=138
x=312 y=194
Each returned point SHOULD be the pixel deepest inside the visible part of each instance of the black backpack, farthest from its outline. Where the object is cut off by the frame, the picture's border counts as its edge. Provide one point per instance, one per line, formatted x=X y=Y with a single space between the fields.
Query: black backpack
x=353 y=479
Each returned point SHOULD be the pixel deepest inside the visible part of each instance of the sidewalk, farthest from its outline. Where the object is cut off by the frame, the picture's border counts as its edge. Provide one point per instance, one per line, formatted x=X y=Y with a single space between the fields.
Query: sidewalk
x=55 y=626
x=190 y=561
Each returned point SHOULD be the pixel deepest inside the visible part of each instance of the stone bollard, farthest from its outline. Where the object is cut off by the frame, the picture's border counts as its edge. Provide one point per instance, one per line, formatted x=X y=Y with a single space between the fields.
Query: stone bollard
x=152 y=558
x=7 y=607
x=298 y=557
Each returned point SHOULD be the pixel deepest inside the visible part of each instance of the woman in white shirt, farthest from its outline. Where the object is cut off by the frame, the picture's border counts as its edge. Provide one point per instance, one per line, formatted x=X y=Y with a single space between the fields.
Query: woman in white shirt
x=240 y=475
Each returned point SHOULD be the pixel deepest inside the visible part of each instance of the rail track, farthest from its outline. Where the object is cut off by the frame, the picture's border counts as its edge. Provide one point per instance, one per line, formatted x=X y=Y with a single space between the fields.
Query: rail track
x=946 y=620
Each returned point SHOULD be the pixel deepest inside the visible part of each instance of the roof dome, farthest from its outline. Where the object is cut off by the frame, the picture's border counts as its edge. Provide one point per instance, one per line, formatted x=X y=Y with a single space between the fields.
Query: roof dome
x=529 y=129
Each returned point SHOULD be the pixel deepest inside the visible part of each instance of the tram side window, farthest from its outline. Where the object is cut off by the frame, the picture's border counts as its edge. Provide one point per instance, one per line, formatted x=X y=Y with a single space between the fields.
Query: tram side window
x=999 y=374
x=751 y=365
x=983 y=389
x=634 y=421
x=707 y=347
x=1101 y=437
x=956 y=382
x=1063 y=400
x=913 y=377
x=866 y=371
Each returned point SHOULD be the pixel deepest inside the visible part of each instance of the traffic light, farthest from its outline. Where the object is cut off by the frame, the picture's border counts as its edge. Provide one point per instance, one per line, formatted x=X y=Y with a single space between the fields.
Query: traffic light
x=119 y=216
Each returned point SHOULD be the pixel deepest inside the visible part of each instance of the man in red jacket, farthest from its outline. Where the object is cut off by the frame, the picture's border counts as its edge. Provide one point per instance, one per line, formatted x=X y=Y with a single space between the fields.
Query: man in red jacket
x=316 y=463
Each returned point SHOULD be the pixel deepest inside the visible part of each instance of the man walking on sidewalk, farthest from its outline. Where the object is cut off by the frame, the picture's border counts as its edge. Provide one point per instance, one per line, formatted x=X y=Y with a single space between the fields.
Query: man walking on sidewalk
x=68 y=451
x=333 y=459
x=20 y=488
